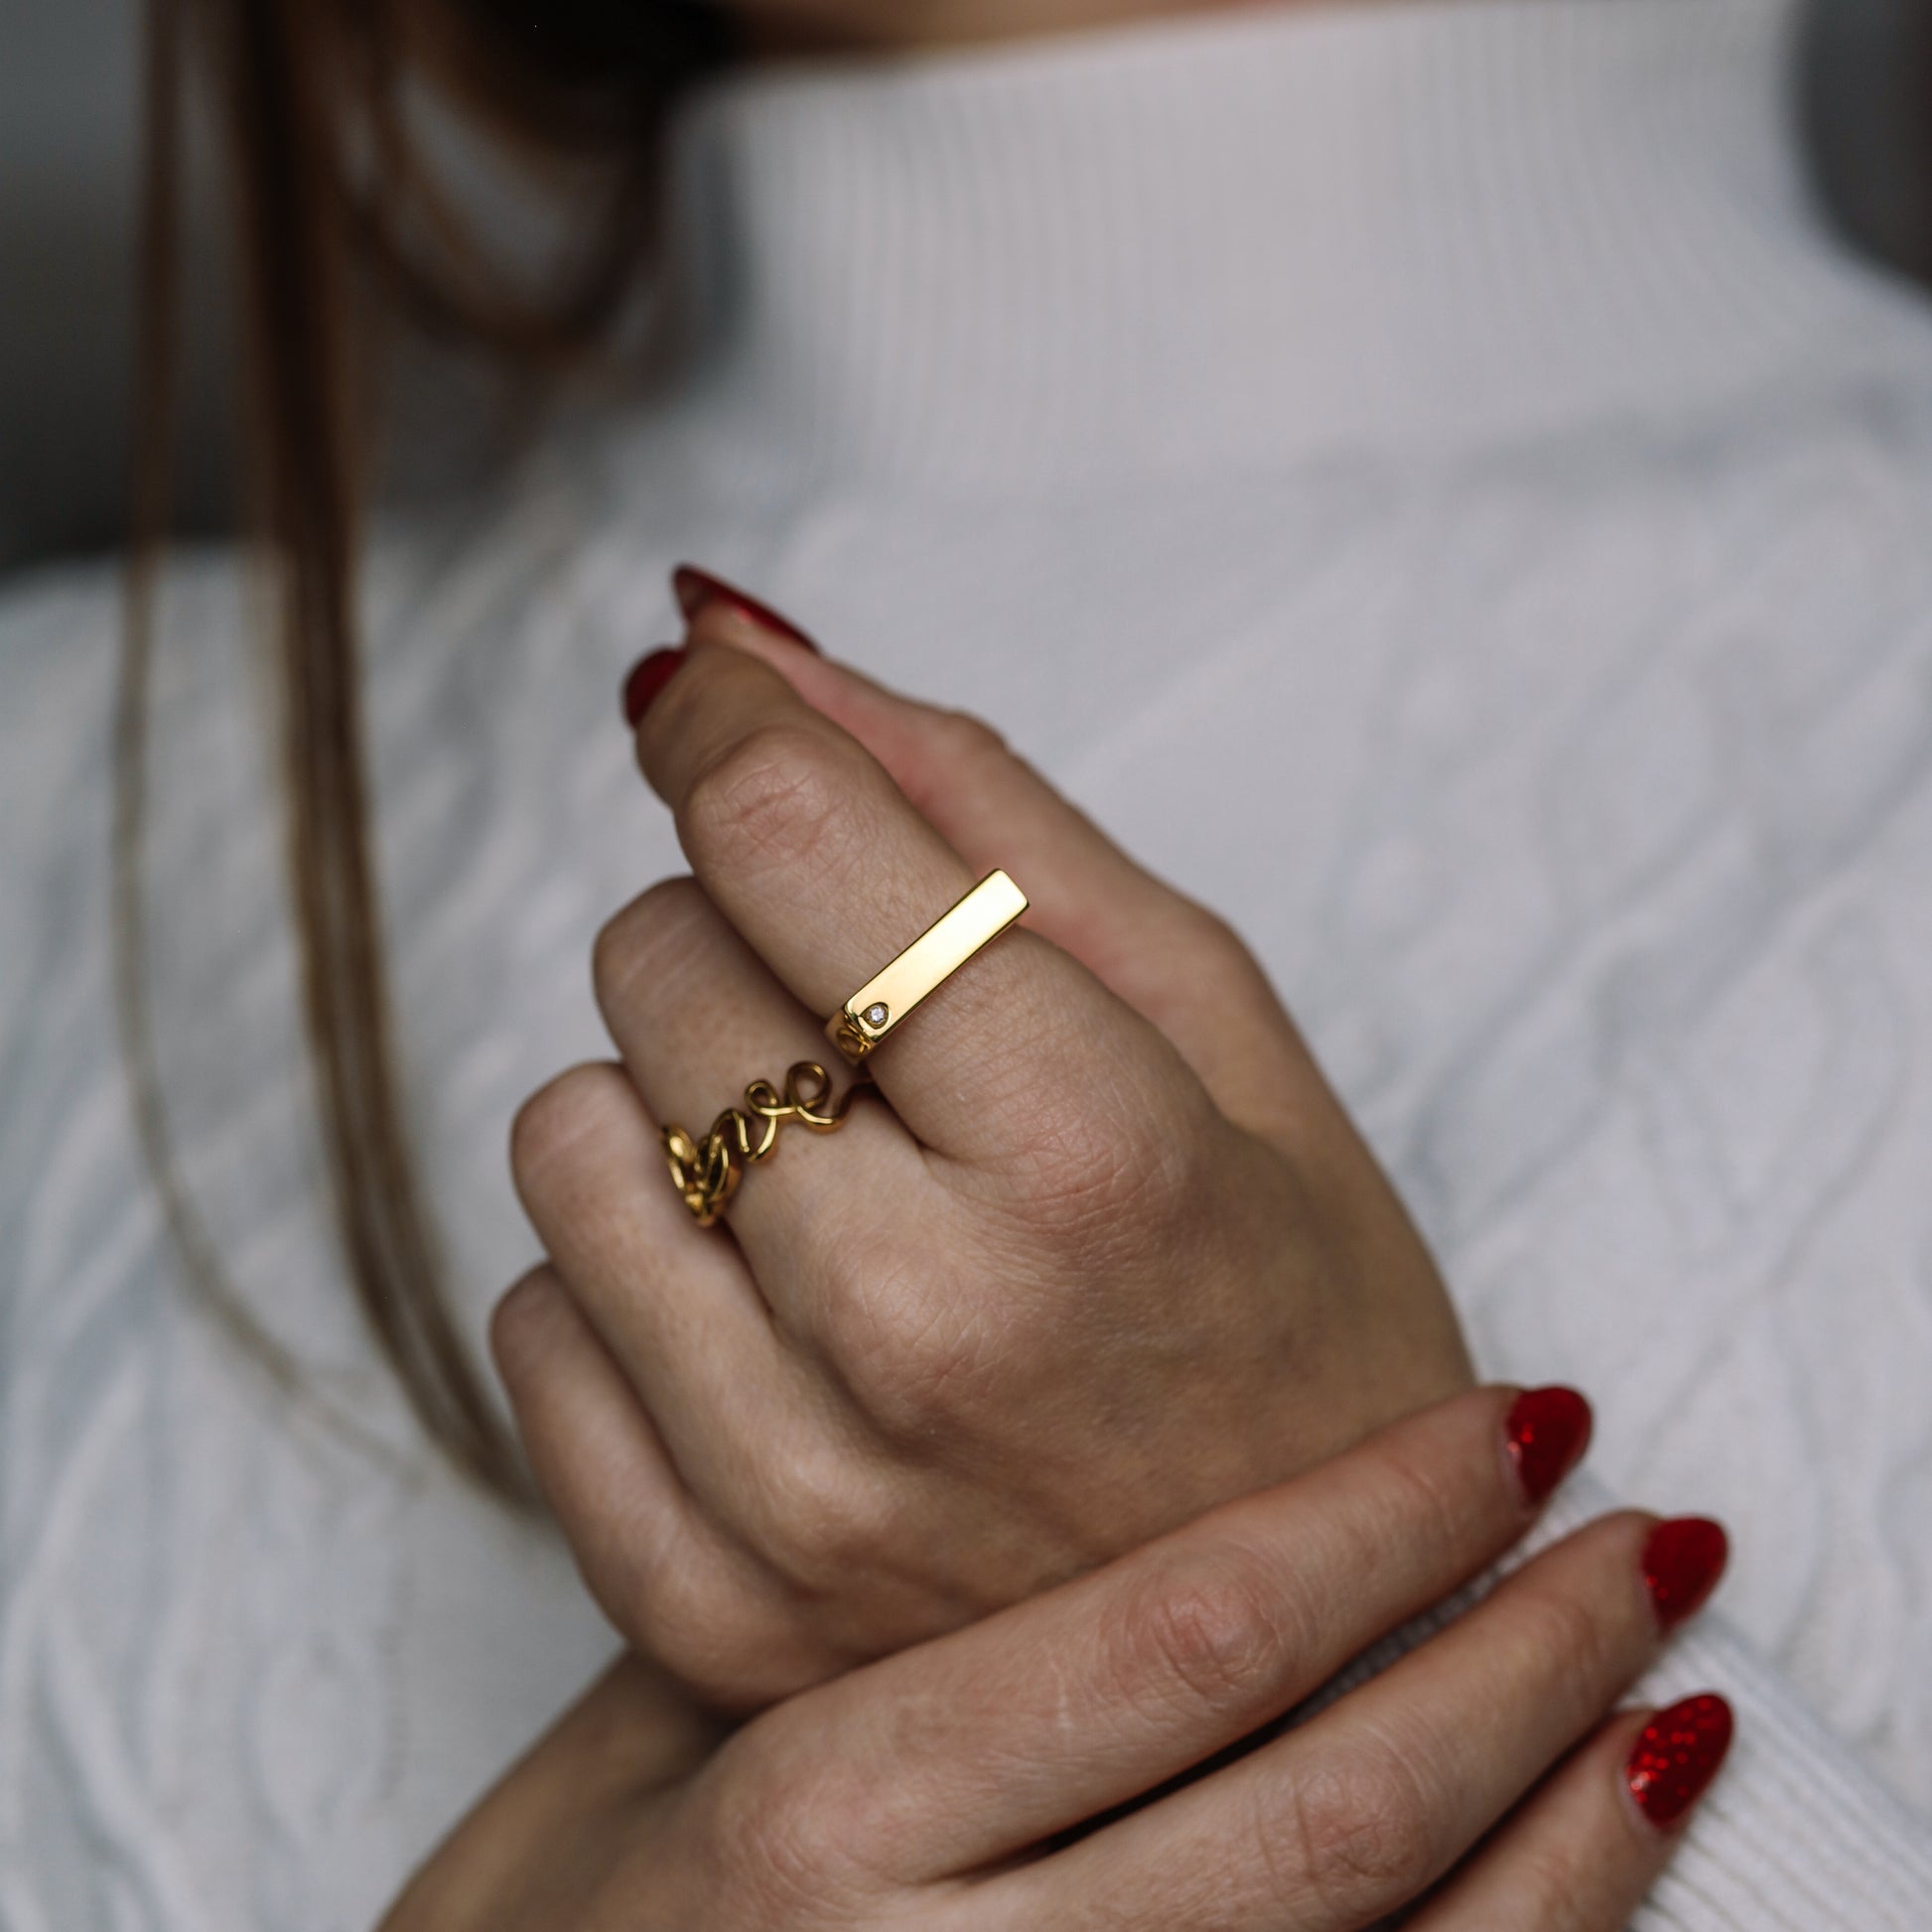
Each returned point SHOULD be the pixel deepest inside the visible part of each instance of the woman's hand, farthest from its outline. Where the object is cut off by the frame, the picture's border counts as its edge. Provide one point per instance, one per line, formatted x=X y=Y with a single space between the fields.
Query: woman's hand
x=1112 y=1255
x=952 y=1788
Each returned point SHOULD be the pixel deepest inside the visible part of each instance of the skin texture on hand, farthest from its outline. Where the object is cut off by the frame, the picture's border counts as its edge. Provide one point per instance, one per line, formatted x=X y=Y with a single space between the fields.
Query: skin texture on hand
x=1111 y=1254
x=917 y=1794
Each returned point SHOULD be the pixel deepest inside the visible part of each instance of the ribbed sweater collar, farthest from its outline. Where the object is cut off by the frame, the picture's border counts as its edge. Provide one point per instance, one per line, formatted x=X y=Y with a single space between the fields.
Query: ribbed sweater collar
x=1230 y=236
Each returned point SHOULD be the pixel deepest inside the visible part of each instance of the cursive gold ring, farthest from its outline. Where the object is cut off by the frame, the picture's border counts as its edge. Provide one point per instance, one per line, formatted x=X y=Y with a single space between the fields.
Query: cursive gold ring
x=706 y=1173
x=930 y=960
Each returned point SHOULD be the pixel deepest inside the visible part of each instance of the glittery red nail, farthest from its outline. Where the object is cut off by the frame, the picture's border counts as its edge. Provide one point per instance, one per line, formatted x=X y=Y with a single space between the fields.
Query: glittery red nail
x=648 y=676
x=1682 y=1563
x=1677 y=1756
x=695 y=588
x=1548 y=1431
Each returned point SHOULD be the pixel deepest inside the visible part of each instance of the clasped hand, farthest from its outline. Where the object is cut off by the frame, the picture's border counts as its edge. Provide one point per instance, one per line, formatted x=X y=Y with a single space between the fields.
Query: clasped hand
x=1111 y=1255
x=961 y=1389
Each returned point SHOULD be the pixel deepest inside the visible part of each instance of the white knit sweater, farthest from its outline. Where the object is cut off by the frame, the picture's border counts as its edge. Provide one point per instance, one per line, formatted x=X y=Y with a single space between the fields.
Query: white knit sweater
x=1424 y=478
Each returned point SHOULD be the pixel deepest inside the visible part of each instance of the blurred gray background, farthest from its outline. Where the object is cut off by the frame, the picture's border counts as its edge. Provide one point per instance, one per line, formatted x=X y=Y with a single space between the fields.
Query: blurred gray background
x=69 y=140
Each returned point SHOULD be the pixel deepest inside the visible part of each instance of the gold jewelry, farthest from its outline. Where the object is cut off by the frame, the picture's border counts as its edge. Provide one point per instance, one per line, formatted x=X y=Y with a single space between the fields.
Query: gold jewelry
x=706 y=1173
x=933 y=958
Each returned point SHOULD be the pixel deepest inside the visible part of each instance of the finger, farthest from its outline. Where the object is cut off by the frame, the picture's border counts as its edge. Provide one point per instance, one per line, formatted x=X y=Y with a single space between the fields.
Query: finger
x=764 y=1439
x=1162 y=952
x=672 y=1302
x=666 y=1576
x=1355 y=1814
x=1048 y=1714
x=806 y=846
x=1581 y=1852
x=696 y=1014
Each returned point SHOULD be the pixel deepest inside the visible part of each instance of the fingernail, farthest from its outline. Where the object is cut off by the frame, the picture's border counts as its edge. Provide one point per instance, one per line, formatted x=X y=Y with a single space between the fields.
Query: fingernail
x=1548 y=1431
x=695 y=588
x=648 y=676
x=1677 y=1756
x=1682 y=1563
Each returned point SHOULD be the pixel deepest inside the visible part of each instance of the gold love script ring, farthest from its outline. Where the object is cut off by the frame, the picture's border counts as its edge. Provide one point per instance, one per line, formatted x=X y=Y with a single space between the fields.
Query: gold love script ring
x=706 y=1173
x=931 y=959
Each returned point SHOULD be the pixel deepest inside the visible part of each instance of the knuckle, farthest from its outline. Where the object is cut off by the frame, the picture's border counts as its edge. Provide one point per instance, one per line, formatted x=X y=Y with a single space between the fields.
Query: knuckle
x=910 y=1349
x=827 y=1517
x=1211 y=1631
x=1222 y=942
x=925 y=1376
x=555 y=1121
x=1202 y=949
x=799 y=1834
x=1362 y=1832
x=775 y=1861
x=775 y=795
x=1202 y=933
x=963 y=740
x=1430 y=1493
x=1566 y=1639
x=950 y=748
x=647 y=938
x=693 y=1617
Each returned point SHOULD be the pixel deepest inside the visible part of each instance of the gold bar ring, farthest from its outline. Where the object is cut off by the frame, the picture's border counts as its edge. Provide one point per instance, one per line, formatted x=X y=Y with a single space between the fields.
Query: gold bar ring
x=933 y=958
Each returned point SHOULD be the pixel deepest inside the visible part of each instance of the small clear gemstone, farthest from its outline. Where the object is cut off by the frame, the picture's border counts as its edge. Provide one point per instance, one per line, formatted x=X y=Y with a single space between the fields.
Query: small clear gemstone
x=873 y=1015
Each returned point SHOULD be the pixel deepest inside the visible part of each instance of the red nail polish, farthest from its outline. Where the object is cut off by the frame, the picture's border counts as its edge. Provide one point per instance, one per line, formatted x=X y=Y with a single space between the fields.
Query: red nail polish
x=1677 y=1756
x=695 y=588
x=1548 y=1431
x=648 y=676
x=1682 y=1563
